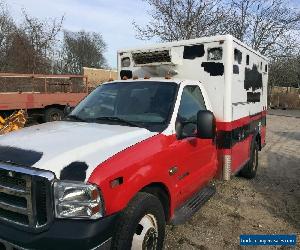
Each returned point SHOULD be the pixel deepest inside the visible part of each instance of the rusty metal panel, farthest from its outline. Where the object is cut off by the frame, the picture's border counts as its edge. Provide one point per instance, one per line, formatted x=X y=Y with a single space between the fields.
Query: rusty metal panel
x=14 y=101
x=30 y=91
x=10 y=82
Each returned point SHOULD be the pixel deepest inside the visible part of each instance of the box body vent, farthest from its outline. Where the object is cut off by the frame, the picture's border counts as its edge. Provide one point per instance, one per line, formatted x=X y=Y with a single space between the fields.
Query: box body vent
x=151 y=57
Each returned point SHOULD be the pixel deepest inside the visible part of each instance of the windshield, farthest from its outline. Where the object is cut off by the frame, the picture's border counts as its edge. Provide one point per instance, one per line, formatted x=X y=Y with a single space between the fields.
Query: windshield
x=144 y=104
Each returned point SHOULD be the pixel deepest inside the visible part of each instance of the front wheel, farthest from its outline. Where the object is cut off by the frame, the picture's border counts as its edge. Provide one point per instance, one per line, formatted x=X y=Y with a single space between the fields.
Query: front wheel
x=141 y=225
x=250 y=169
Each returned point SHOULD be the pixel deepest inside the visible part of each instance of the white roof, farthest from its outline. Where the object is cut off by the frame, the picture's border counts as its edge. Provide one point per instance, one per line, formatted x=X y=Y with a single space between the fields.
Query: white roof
x=192 y=41
x=152 y=79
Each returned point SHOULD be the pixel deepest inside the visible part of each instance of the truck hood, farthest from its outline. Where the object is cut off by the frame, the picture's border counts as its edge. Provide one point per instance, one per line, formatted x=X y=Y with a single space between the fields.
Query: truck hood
x=62 y=143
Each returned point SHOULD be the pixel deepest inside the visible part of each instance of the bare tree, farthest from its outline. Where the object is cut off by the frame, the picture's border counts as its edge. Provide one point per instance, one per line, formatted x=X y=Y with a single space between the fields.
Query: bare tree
x=27 y=48
x=82 y=49
x=34 y=47
x=181 y=19
x=7 y=28
x=38 y=38
x=269 y=26
x=19 y=54
x=285 y=71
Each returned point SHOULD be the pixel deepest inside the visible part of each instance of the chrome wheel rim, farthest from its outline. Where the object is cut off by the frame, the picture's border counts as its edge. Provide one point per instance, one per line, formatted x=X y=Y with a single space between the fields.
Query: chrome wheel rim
x=146 y=234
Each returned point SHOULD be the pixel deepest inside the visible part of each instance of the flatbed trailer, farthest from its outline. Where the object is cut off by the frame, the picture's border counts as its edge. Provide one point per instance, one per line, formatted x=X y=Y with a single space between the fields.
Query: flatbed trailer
x=43 y=96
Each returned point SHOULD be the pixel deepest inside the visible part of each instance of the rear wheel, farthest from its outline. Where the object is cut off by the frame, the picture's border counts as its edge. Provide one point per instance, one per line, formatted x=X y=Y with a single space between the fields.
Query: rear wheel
x=141 y=225
x=53 y=114
x=250 y=169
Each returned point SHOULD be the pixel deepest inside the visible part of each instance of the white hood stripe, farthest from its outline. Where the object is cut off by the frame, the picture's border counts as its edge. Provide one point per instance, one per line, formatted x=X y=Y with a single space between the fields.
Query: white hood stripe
x=63 y=143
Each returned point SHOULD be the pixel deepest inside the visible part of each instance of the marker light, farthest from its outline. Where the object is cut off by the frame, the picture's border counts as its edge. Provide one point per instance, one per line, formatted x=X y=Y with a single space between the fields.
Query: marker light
x=168 y=77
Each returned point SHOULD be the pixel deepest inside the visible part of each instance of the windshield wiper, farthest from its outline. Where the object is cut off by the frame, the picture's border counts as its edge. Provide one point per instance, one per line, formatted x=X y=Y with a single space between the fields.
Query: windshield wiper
x=74 y=117
x=117 y=119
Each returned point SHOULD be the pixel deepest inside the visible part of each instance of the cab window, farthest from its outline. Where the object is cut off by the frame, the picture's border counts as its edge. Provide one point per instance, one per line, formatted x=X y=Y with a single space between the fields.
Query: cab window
x=191 y=102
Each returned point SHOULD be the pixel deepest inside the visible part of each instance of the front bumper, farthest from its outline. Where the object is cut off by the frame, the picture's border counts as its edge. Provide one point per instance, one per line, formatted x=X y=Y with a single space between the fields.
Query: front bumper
x=62 y=234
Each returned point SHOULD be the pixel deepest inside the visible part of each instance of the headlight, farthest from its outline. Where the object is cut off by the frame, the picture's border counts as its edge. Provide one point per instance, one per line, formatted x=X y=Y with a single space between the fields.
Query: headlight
x=77 y=200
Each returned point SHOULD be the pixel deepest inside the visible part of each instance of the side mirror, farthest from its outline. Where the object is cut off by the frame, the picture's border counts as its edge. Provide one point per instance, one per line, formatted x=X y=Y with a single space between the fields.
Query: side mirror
x=206 y=124
x=67 y=110
x=185 y=129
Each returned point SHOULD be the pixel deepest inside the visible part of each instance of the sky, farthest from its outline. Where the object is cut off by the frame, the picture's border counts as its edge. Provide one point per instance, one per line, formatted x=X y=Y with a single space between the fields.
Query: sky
x=112 y=18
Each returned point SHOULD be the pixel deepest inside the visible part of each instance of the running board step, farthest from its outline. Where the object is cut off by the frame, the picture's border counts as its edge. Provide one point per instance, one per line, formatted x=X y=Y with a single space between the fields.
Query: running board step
x=189 y=208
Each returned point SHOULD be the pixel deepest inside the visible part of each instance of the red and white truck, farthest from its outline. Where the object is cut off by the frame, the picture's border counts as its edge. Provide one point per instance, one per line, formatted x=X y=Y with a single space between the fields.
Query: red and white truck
x=138 y=152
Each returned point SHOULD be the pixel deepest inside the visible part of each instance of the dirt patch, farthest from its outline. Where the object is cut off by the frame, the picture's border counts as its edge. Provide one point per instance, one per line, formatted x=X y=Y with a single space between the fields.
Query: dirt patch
x=268 y=204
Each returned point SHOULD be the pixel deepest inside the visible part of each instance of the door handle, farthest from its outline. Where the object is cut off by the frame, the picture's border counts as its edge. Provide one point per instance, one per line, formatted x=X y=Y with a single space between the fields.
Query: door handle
x=173 y=170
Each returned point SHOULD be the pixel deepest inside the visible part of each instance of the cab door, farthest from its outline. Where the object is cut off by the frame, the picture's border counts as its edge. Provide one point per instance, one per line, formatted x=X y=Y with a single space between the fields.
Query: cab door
x=196 y=158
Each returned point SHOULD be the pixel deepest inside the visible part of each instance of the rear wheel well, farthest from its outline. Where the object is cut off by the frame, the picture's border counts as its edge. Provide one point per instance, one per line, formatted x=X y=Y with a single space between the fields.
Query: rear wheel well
x=57 y=106
x=162 y=193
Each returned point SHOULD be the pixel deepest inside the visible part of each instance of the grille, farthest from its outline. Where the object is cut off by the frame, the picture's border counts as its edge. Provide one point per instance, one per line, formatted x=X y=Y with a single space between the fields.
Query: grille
x=24 y=198
x=8 y=246
x=151 y=57
x=12 y=182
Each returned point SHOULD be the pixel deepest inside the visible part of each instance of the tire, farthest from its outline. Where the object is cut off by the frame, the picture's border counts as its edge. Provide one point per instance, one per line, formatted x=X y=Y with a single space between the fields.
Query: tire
x=250 y=169
x=141 y=225
x=53 y=114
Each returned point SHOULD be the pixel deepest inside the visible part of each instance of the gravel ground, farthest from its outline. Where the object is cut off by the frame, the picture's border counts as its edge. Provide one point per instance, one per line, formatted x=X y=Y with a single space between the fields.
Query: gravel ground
x=268 y=204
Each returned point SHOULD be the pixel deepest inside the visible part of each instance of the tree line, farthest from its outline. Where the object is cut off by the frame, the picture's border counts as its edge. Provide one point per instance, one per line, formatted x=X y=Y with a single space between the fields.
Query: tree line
x=44 y=47
x=269 y=26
